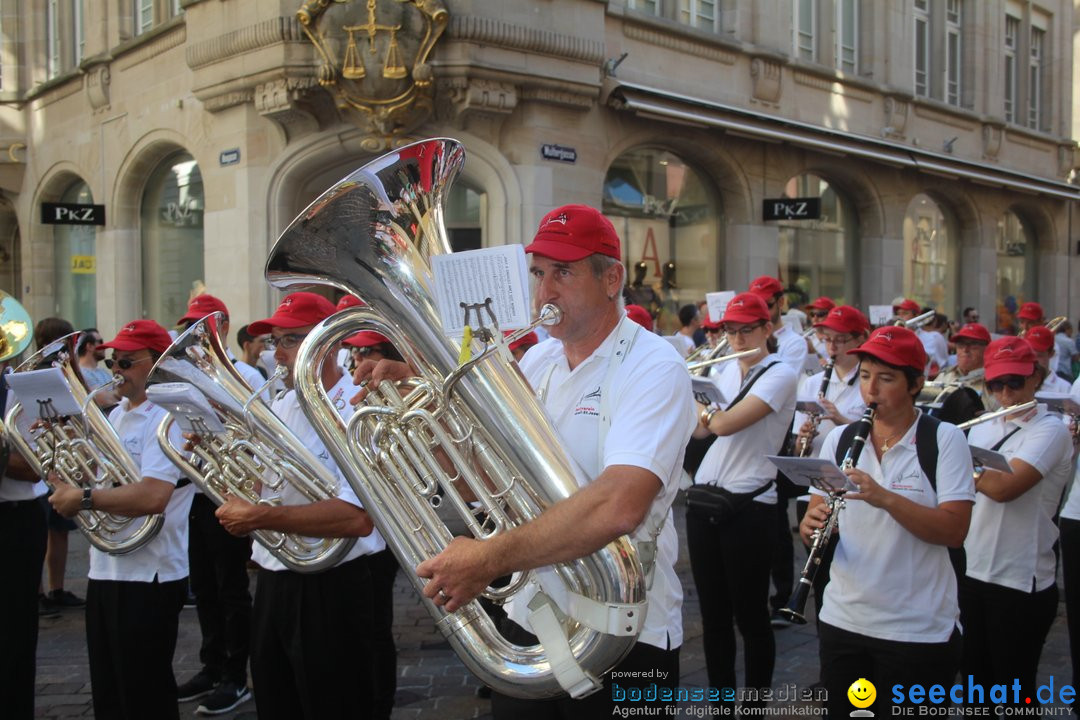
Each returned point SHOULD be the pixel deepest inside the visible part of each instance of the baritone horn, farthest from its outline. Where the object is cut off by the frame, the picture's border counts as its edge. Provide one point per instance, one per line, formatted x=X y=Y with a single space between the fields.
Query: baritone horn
x=371 y=235
x=16 y=328
x=256 y=447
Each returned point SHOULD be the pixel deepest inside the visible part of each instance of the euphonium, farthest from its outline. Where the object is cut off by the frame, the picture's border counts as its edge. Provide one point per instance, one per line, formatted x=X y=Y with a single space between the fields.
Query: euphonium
x=16 y=328
x=371 y=235
x=916 y=322
x=84 y=452
x=257 y=446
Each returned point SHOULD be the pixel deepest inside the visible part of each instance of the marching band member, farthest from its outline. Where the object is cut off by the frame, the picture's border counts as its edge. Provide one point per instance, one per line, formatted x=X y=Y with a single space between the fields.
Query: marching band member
x=690 y=321
x=792 y=348
x=937 y=349
x=731 y=541
x=817 y=312
x=1009 y=597
x=1041 y=340
x=890 y=611
x=1030 y=315
x=311 y=647
x=133 y=600
x=971 y=341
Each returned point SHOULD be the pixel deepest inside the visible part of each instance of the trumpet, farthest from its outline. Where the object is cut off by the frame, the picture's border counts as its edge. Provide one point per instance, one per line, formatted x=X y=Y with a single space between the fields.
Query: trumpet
x=796 y=607
x=916 y=322
x=694 y=367
x=806 y=441
x=1052 y=325
x=1003 y=412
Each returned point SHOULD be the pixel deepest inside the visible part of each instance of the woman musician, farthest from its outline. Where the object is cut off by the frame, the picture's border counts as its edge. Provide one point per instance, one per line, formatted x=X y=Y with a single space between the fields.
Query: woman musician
x=1009 y=596
x=890 y=611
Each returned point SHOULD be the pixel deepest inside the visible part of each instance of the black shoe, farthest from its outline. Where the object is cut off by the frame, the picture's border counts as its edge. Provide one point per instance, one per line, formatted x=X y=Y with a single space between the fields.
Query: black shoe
x=199 y=686
x=66 y=599
x=189 y=601
x=46 y=607
x=226 y=696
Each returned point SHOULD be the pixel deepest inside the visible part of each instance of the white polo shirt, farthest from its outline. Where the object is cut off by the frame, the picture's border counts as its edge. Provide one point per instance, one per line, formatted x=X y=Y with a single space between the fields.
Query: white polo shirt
x=287 y=408
x=652 y=417
x=165 y=558
x=885 y=582
x=737 y=462
x=937 y=348
x=841 y=392
x=791 y=348
x=12 y=490
x=1012 y=543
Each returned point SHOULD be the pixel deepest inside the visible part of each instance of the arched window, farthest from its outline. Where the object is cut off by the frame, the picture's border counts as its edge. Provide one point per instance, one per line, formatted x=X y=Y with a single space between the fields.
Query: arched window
x=172 y=238
x=815 y=255
x=466 y=208
x=1015 y=241
x=668 y=220
x=930 y=256
x=76 y=264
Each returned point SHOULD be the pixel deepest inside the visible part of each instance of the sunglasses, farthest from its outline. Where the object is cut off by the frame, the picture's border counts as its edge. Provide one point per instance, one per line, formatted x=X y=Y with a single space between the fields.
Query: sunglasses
x=285 y=342
x=122 y=363
x=745 y=331
x=1013 y=382
x=838 y=339
x=818 y=313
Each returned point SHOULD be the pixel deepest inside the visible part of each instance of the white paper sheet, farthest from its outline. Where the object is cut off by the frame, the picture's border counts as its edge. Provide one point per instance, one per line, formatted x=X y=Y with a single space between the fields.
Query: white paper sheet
x=44 y=393
x=717 y=303
x=473 y=276
x=187 y=405
x=816 y=472
x=990 y=459
x=880 y=314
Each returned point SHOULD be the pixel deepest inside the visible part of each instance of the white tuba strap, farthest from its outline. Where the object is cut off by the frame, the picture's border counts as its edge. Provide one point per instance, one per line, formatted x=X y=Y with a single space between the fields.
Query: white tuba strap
x=547 y=628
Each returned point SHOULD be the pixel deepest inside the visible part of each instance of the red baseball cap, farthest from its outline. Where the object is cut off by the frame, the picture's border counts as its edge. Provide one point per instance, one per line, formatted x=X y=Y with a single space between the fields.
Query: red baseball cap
x=141 y=335
x=1030 y=311
x=348 y=301
x=907 y=304
x=746 y=307
x=574 y=232
x=366 y=338
x=527 y=340
x=766 y=287
x=974 y=332
x=895 y=346
x=1040 y=338
x=845 y=319
x=822 y=303
x=640 y=315
x=201 y=306
x=296 y=310
x=1008 y=356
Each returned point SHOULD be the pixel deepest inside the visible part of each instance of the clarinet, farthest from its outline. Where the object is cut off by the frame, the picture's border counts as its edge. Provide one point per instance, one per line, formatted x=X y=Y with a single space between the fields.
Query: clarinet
x=815 y=419
x=796 y=607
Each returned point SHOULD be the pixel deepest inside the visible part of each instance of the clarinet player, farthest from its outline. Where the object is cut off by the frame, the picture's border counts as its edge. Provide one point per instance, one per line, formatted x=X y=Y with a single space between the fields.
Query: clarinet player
x=890 y=611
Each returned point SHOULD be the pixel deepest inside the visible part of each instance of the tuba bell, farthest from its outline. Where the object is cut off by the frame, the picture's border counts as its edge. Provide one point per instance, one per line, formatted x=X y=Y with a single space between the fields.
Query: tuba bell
x=83 y=451
x=371 y=235
x=16 y=328
x=256 y=447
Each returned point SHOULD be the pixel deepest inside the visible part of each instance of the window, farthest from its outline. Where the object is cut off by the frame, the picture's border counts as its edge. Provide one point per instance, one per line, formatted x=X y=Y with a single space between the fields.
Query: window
x=952 y=51
x=922 y=49
x=171 y=227
x=144 y=15
x=930 y=255
x=76 y=264
x=805 y=23
x=1012 y=33
x=847 y=36
x=1035 y=79
x=52 y=39
x=814 y=254
x=1015 y=269
x=650 y=6
x=698 y=13
x=466 y=208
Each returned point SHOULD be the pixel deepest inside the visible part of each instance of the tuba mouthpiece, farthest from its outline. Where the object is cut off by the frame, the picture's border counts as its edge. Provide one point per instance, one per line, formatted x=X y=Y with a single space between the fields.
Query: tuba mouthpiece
x=550 y=315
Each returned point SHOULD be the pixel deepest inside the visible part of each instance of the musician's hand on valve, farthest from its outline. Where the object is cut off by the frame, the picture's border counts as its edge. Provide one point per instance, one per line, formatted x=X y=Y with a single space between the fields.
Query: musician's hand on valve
x=369 y=373
x=457 y=574
x=191 y=440
x=238 y=517
x=869 y=490
x=814 y=519
x=66 y=500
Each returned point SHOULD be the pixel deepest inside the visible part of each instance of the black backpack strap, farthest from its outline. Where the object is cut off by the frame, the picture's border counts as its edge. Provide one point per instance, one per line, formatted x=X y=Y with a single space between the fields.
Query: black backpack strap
x=926 y=447
x=847 y=436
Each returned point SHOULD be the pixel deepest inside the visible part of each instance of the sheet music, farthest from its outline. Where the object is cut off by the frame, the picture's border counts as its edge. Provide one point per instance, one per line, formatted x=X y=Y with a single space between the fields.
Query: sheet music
x=472 y=276
x=990 y=459
x=880 y=314
x=706 y=391
x=717 y=303
x=1061 y=403
x=44 y=393
x=187 y=405
x=809 y=406
x=824 y=474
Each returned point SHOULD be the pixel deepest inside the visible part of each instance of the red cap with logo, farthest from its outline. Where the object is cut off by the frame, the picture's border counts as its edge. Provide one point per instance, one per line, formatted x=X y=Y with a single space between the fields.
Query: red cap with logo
x=140 y=335
x=640 y=315
x=766 y=287
x=973 y=332
x=1008 y=356
x=1040 y=338
x=574 y=232
x=201 y=306
x=907 y=304
x=822 y=303
x=746 y=307
x=1030 y=311
x=366 y=338
x=845 y=319
x=348 y=301
x=526 y=341
x=895 y=346
x=296 y=310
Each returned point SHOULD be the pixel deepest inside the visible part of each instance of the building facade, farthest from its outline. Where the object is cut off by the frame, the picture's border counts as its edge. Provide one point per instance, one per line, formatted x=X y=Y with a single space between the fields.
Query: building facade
x=924 y=146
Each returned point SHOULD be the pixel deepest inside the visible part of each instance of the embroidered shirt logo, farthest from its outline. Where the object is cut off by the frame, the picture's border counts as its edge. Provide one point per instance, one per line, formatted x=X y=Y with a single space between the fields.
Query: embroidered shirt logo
x=589 y=404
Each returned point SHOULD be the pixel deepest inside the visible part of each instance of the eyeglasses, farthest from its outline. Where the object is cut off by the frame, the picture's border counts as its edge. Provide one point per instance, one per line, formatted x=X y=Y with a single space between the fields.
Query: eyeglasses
x=818 y=313
x=838 y=339
x=745 y=330
x=1013 y=382
x=285 y=342
x=122 y=363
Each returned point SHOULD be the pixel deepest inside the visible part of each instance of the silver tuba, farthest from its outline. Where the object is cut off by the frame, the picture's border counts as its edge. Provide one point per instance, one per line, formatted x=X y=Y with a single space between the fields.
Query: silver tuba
x=83 y=451
x=371 y=235
x=256 y=447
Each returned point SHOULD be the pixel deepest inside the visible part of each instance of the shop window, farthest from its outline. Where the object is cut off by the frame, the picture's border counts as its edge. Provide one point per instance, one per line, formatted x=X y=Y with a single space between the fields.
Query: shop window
x=75 y=267
x=466 y=208
x=172 y=238
x=1015 y=242
x=815 y=255
x=930 y=255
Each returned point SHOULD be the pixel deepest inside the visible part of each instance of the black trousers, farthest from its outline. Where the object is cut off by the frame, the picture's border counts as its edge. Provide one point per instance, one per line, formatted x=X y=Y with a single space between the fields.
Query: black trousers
x=783 y=557
x=219 y=580
x=311 y=644
x=847 y=656
x=1070 y=567
x=384 y=567
x=130 y=638
x=604 y=702
x=1004 y=632
x=730 y=560
x=23 y=532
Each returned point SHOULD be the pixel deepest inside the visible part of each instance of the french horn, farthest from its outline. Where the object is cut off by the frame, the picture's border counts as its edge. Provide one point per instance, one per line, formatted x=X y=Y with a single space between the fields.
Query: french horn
x=83 y=451
x=371 y=235
x=257 y=448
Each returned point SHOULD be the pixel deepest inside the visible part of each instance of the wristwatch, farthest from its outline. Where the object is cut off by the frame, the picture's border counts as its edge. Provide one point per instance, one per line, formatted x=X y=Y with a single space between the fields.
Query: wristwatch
x=87 y=500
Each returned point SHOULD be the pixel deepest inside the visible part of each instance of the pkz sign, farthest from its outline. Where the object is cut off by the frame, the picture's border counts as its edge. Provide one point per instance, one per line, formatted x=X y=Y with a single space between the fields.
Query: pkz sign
x=792 y=208
x=72 y=214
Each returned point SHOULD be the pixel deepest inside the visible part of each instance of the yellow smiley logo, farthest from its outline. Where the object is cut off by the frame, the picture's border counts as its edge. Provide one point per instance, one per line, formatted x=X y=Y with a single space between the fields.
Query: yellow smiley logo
x=862 y=693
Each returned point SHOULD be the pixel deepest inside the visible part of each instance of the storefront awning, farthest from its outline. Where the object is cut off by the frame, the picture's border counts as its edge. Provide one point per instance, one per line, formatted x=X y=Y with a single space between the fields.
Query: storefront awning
x=665 y=105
